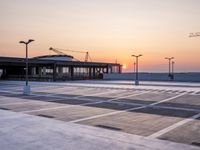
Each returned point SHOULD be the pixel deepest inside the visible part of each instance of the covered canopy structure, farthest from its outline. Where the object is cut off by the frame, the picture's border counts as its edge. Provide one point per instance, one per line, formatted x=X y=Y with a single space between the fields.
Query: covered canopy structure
x=54 y=68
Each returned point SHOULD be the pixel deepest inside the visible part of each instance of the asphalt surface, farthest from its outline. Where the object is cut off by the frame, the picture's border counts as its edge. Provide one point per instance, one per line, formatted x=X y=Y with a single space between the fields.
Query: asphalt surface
x=154 y=112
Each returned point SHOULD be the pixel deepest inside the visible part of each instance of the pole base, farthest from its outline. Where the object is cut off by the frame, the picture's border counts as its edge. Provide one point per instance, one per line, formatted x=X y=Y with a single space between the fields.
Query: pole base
x=136 y=82
x=27 y=90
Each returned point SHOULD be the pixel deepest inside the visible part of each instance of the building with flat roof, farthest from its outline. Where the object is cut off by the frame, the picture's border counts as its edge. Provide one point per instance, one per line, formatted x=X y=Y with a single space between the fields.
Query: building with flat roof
x=55 y=68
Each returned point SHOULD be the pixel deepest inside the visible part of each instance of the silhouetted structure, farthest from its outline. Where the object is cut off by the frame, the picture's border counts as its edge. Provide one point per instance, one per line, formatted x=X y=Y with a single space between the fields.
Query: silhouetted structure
x=55 y=68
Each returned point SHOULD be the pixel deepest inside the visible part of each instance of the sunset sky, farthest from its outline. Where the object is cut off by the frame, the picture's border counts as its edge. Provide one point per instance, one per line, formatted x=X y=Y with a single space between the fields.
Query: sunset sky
x=108 y=29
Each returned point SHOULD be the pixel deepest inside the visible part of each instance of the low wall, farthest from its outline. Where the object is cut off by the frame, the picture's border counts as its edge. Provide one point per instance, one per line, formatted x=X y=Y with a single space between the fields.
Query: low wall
x=182 y=77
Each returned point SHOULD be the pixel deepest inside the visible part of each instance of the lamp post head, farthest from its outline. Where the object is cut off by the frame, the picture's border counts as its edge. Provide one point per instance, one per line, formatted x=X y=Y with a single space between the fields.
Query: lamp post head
x=136 y=55
x=22 y=42
x=30 y=40
x=169 y=58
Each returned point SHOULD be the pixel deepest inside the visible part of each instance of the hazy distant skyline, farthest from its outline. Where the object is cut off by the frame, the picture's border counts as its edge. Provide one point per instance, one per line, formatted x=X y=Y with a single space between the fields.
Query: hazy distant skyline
x=108 y=29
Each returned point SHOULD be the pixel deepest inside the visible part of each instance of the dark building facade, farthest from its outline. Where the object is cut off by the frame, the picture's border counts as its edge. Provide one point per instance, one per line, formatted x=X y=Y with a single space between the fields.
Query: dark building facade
x=54 y=68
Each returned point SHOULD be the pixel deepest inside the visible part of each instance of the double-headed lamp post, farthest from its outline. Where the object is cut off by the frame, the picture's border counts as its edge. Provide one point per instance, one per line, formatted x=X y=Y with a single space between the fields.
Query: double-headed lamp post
x=26 y=87
x=136 y=69
x=169 y=59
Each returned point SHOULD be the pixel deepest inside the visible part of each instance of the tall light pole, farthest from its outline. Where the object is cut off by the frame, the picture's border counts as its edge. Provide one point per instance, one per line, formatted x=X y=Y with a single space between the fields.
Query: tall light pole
x=169 y=59
x=173 y=70
x=26 y=87
x=173 y=67
x=134 y=67
x=136 y=73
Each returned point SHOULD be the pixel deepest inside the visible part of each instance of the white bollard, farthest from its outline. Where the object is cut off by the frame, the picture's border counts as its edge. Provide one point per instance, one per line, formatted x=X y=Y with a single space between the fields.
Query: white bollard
x=27 y=90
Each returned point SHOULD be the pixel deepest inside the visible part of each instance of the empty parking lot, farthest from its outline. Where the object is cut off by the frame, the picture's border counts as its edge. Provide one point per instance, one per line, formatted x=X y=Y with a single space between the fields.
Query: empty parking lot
x=164 y=113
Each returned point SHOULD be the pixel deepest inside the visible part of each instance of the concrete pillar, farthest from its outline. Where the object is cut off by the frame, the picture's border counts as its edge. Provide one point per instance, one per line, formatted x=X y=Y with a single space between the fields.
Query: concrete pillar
x=60 y=70
x=44 y=70
x=71 y=70
x=107 y=69
x=93 y=70
x=54 y=72
x=33 y=71
x=120 y=69
x=40 y=71
x=90 y=73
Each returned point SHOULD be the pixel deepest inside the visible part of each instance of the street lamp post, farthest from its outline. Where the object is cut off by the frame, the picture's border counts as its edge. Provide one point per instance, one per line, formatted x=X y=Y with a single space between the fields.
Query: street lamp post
x=136 y=69
x=26 y=87
x=169 y=60
x=173 y=70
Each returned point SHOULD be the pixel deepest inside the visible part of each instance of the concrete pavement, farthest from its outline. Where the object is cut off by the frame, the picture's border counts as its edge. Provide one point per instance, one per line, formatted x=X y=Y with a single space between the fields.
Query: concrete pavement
x=21 y=132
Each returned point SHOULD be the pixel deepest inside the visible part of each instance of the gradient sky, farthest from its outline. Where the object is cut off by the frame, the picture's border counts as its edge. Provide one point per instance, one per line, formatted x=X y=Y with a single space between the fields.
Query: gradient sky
x=108 y=29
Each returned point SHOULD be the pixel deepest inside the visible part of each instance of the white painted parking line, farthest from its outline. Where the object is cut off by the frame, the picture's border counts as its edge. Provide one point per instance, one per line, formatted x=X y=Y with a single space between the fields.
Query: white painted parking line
x=95 y=94
x=168 y=99
x=16 y=103
x=50 y=108
x=107 y=114
x=121 y=111
x=64 y=91
x=127 y=96
x=172 y=127
x=10 y=92
x=84 y=104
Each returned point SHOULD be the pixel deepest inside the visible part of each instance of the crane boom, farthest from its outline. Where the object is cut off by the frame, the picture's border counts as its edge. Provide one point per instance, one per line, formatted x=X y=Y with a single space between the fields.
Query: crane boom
x=56 y=51
x=59 y=51
x=194 y=34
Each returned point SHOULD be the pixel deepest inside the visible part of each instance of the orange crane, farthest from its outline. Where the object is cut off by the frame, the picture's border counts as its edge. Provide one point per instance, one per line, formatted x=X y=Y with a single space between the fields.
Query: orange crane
x=59 y=51
x=194 y=34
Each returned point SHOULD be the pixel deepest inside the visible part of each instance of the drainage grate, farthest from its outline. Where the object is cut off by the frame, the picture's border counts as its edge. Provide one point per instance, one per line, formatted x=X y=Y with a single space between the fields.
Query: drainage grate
x=108 y=127
x=196 y=143
x=4 y=108
x=47 y=116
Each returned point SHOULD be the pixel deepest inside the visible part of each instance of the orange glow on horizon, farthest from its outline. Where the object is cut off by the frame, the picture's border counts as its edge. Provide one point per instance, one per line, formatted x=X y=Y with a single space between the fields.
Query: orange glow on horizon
x=124 y=66
x=156 y=30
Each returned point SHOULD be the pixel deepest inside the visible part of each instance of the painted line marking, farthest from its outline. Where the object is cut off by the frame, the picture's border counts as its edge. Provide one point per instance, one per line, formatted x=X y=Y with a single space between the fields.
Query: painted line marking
x=84 y=104
x=10 y=92
x=66 y=92
x=16 y=103
x=136 y=94
x=170 y=128
x=106 y=114
x=95 y=94
x=50 y=108
x=121 y=111
x=168 y=99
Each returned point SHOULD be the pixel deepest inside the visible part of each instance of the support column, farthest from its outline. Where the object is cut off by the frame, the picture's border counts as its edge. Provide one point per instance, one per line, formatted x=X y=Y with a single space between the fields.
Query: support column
x=93 y=72
x=107 y=69
x=71 y=70
x=90 y=73
x=54 y=72
x=120 y=69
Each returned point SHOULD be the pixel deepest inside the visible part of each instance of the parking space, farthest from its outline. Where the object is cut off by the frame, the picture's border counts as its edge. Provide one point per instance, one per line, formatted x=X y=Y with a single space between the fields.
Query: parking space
x=147 y=98
x=8 y=100
x=167 y=115
x=31 y=105
x=185 y=101
x=72 y=113
x=113 y=95
x=188 y=133
x=144 y=121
